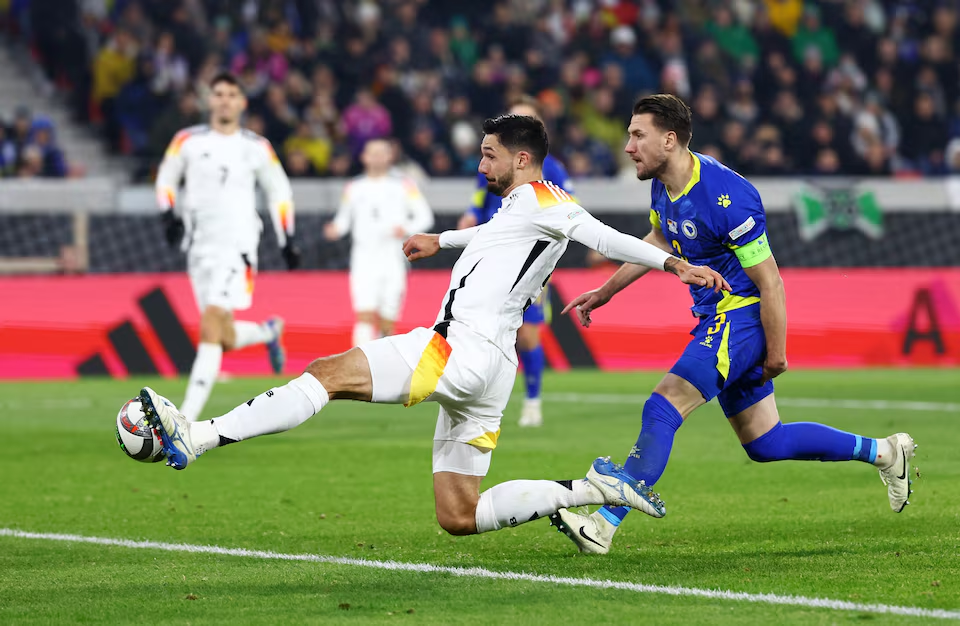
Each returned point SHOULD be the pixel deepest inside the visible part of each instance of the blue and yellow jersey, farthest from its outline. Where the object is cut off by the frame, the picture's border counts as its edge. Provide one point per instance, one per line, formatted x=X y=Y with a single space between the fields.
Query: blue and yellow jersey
x=485 y=204
x=717 y=220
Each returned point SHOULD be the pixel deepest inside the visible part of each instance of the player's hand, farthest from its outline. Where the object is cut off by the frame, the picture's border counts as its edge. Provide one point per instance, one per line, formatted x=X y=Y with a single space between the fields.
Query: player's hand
x=585 y=303
x=699 y=275
x=291 y=255
x=421 y=246
x=467 y=220
x=773 y=367
x=331 y=232
x=172 y=228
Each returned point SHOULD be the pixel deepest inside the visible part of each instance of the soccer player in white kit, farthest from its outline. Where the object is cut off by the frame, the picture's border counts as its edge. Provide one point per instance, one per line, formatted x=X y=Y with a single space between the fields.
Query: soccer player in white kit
x=220 y=164
x=380 y=209
x=466 y=363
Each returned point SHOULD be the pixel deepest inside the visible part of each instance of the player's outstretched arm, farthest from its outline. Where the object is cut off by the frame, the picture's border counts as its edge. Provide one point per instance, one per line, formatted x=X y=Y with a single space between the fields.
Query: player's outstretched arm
x=773 y=315
x=168 y=182
x=616 y=245
x=426 y=245
x=624 y=276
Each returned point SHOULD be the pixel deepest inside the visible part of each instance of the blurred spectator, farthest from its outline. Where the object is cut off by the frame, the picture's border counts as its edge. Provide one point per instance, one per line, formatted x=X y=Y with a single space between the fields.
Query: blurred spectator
x=812 y=36
x=423 y=70
x=31 y=162
x=43 y=138
x=186 y=113
x=316 y=149
x=733 y=38
x=598 y=159
x=784 y=15
x=638 y=74
x=365 y=119
x=171 y=70
x=923 y=141
x=599 y=120
x=113 y=68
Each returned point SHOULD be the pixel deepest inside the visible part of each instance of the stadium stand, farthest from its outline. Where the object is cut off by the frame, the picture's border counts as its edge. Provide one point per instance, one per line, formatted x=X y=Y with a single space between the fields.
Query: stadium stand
x=867 y=87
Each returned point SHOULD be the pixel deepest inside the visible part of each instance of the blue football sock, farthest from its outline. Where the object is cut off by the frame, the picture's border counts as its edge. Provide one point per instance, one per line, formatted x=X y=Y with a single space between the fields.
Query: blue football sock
x=533 y=363
x=649 y=456
x=807 y=441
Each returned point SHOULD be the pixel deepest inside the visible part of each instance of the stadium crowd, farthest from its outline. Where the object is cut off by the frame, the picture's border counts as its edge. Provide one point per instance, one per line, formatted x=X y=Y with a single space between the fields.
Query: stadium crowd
x=778 y=87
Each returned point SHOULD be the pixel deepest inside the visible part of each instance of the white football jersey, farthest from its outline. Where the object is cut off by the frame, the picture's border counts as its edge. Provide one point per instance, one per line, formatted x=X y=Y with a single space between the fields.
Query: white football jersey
x=372 y=209
x=220 y=173
x=508 y=260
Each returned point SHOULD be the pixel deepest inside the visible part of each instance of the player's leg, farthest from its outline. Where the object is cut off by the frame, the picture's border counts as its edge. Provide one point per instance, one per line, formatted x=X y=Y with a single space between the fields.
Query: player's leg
x=463 y=510
x=380 y=371
x=473 y=389
x=532 y=357
x=765 y=438
x=392 y=292
x=693 y=380
x=215 y=323
x=343 y=376
x=364 y=296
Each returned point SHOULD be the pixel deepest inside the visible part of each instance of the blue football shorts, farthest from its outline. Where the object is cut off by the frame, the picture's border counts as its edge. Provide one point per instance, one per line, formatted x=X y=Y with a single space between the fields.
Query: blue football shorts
x=724 y=360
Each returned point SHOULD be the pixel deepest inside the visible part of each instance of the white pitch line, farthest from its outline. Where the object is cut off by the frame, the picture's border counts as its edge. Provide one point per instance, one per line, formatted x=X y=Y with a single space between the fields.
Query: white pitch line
x=479 y=572
x=816 y=403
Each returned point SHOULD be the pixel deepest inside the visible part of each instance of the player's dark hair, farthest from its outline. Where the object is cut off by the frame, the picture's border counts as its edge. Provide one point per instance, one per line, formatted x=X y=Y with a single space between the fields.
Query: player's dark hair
x=520 y=132
x=669 y=113
x=225 y=77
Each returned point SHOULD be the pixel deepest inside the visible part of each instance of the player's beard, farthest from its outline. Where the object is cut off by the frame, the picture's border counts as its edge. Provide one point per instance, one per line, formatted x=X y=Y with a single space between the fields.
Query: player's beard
x=498 y=185
x=654 y=172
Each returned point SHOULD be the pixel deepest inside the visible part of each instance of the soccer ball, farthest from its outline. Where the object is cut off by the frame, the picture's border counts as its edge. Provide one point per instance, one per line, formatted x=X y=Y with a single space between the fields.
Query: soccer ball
x=136 y=438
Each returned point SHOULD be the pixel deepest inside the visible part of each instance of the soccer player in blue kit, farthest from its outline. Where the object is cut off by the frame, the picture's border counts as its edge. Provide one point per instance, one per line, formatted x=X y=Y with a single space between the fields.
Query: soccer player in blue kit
x=485 y=206
x=708 y=214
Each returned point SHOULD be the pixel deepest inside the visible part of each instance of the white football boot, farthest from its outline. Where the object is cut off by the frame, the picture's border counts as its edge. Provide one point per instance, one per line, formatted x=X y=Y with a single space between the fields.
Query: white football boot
x=174 y=429
x=621 y=489
x=592 y=534
x=532 y=417
x=897 y=475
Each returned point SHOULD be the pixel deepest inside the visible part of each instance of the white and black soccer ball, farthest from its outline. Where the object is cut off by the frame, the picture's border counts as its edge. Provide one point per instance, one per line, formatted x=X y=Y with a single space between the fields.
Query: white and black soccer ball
x=135 y=436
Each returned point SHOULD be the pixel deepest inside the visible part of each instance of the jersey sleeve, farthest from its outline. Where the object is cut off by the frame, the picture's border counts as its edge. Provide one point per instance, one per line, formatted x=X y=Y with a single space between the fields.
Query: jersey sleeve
x=574 y=223
x=279 y=194
x=419 y=215
x=343 y=220
x=171 y=172
x=744 y=224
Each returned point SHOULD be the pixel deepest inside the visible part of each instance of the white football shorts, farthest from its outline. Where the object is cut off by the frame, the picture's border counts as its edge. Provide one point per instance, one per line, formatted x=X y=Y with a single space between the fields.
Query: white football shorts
x=467 y=375
x=378 y=287
x=223 y=279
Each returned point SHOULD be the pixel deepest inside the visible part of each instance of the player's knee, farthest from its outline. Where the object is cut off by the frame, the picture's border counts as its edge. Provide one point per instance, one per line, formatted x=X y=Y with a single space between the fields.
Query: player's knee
x=768 y=447
x=211 y=325
x=457 y=523
x=345 y=376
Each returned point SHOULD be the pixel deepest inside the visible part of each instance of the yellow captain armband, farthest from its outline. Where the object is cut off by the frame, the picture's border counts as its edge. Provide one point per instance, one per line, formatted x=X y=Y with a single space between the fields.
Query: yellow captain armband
x=654 y=219
x=479 y=196
x=753 y=253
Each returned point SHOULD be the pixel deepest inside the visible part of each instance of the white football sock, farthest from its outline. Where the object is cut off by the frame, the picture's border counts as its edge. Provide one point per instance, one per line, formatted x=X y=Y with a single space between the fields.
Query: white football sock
x=274 y=411
x=886 y=454
x=203 y=375
x=363 y=333
x=521 y=501
x=251 y=333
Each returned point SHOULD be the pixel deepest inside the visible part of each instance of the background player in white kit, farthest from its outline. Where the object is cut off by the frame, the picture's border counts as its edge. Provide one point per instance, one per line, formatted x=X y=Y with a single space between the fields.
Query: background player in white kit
x=221 y=164
x=466 y=362
x=380 y=209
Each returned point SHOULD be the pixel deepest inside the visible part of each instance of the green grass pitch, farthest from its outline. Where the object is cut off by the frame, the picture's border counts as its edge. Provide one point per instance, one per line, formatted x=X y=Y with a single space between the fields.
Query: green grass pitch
x=355 y=482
